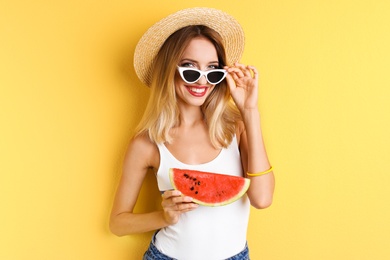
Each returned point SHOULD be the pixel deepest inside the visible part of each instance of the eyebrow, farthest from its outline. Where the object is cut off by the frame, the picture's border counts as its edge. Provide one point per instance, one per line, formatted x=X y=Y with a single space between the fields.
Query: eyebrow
x=195 y=61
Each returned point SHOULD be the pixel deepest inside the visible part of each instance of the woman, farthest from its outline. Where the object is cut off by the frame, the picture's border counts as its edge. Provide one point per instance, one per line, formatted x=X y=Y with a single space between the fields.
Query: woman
x=189 y=59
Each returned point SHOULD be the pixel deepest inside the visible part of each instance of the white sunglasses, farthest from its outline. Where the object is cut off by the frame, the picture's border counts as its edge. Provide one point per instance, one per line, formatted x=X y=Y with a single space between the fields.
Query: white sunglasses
x=191 y=75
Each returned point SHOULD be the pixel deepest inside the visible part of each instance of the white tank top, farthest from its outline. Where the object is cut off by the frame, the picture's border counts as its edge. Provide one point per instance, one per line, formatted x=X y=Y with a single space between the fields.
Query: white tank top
x=206 y=233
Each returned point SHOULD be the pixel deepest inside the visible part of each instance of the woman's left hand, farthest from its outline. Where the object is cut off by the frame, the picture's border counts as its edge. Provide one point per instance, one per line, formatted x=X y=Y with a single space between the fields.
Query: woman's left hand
x=243 y=83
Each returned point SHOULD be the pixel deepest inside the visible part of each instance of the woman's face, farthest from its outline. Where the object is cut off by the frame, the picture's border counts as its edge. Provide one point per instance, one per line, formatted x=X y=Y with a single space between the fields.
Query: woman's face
x=199 y=54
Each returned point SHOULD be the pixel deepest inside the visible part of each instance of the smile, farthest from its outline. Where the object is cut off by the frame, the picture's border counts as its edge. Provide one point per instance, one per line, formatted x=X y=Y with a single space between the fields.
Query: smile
x=197 y=91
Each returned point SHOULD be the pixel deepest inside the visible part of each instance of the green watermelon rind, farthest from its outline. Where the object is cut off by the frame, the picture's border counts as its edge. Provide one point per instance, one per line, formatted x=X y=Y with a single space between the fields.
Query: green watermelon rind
x=239 y=194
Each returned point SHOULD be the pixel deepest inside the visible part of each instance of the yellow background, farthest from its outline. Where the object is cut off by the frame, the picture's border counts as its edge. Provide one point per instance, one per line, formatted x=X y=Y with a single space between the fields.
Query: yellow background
x=69 y=102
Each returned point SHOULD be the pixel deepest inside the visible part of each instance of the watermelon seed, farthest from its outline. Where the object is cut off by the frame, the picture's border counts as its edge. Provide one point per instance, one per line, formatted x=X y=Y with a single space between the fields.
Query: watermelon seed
x=192 y=188
x=196 y=192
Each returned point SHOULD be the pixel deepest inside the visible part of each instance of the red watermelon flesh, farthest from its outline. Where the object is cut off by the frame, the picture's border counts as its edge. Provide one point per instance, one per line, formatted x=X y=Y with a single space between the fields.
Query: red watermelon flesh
x=207 y=188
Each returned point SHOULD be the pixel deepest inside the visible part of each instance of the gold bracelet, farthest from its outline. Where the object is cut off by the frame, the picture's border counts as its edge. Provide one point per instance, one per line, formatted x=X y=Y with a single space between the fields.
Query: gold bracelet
x=260 y=173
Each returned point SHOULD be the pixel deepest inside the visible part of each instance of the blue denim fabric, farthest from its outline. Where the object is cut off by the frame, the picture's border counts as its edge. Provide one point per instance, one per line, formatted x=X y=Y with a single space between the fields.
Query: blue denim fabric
x=243 y=255
x=154 y=254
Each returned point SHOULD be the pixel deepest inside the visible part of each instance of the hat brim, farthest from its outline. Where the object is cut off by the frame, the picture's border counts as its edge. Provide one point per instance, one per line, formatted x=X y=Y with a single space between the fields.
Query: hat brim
x=150 y=43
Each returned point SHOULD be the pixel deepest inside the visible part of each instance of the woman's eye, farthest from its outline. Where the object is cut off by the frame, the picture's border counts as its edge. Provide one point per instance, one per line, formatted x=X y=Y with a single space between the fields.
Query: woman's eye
x=187 y=64
x=213 y=67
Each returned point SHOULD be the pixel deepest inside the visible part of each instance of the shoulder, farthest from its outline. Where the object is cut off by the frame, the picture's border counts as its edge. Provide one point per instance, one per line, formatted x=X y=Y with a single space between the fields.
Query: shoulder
x=144 y=150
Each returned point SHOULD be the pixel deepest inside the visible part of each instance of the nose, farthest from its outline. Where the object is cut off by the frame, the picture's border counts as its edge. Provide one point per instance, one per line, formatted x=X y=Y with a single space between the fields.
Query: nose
x=202 y=80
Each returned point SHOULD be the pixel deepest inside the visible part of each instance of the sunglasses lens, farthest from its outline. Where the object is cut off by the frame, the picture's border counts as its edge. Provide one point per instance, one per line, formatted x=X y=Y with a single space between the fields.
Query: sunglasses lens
x=215 y=76
x=191 y=75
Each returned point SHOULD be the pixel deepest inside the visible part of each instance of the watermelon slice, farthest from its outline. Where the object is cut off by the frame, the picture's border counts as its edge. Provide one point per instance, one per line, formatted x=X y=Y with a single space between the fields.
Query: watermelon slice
x=207 y=188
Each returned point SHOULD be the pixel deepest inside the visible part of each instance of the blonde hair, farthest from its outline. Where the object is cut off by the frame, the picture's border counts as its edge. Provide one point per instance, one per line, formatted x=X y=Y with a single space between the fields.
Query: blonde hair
x=162 y=113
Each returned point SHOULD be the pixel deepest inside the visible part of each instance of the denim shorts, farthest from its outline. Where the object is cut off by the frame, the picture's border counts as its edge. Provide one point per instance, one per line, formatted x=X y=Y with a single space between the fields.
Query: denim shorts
x=154 y=254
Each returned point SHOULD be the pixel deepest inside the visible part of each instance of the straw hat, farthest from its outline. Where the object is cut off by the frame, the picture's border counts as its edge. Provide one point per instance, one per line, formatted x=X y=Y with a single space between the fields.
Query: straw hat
x=150 y=43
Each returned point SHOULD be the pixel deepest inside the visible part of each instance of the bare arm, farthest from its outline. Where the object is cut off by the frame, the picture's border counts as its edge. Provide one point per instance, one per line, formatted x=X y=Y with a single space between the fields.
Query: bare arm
x=142 y=155
x=244 y=89
x=254 y=159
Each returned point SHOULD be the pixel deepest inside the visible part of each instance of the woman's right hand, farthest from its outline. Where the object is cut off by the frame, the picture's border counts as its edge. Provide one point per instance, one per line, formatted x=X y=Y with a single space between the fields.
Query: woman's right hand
x=174 y=204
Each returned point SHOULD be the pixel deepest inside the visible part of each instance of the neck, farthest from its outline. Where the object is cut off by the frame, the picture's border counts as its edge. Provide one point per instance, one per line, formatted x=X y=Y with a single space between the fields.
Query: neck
x=190 y=116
